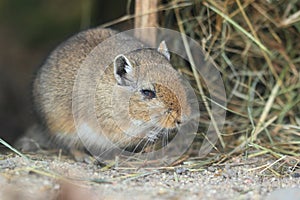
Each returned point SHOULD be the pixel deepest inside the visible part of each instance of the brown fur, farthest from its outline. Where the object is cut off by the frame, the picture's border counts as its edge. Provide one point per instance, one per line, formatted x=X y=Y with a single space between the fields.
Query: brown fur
x=116 y=114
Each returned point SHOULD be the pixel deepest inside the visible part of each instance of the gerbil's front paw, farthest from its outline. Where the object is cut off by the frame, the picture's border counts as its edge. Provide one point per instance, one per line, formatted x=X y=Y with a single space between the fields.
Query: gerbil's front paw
x=81 y=156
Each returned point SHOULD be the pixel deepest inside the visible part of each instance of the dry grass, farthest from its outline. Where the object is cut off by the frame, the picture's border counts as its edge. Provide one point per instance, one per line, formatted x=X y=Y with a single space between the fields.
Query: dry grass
x=256 y=46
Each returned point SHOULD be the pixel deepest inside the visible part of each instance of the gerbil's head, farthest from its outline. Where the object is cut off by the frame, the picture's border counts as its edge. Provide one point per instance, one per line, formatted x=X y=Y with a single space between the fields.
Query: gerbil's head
x=151 y=94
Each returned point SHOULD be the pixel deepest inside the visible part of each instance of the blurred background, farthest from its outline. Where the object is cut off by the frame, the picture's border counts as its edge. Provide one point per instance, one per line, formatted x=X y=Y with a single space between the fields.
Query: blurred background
x=29 y=30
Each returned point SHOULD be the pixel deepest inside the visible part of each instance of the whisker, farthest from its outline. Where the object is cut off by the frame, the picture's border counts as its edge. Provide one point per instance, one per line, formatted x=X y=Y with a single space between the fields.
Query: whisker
x=152 y=134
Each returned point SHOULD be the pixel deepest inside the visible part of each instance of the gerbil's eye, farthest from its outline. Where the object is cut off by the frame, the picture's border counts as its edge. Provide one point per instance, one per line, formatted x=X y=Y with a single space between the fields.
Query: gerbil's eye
x=149 y=94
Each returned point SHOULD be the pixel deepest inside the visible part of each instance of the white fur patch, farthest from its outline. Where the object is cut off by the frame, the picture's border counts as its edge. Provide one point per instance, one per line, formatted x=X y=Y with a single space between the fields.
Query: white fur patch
x=90 y=138
x=128 y=69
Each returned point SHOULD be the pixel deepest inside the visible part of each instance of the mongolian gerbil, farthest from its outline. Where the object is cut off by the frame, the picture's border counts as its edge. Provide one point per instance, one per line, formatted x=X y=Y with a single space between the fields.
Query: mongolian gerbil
x=139 y=98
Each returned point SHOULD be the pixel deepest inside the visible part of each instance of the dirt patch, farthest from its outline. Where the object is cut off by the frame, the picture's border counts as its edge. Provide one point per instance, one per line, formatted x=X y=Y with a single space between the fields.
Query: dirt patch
x=53 y=177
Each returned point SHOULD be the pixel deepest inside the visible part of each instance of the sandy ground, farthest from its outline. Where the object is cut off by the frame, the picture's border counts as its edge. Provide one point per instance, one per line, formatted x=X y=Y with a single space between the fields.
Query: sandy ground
x=52 y=177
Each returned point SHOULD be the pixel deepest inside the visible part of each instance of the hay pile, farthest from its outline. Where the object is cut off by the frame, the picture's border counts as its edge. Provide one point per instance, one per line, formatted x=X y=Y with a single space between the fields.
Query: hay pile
x=256 y=45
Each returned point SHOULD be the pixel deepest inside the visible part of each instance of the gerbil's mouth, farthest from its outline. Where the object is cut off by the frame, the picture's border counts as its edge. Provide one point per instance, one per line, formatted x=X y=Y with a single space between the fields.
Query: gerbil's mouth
x=165 y=133
x=154 y=140
x=178 y=123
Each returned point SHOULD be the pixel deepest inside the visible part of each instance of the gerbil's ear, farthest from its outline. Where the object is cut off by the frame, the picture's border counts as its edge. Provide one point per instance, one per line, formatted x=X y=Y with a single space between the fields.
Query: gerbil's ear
x=163 y=49
x=123 y=70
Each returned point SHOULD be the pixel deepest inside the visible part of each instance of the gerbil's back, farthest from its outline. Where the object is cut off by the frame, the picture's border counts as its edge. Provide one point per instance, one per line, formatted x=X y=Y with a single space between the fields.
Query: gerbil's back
x=53 y=86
